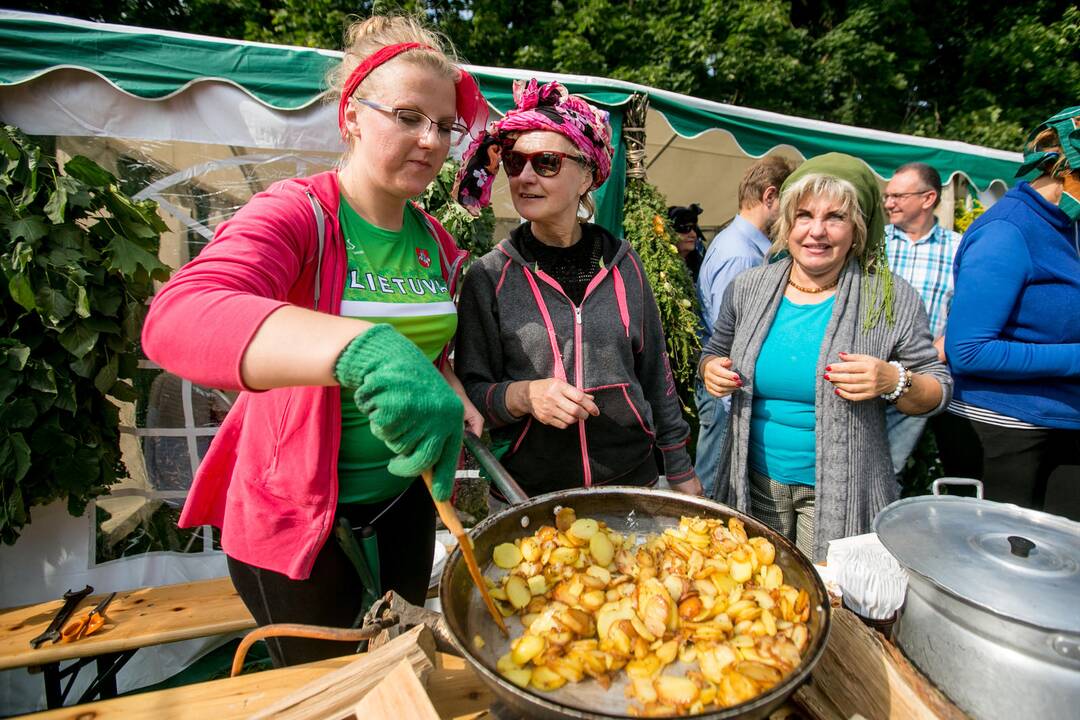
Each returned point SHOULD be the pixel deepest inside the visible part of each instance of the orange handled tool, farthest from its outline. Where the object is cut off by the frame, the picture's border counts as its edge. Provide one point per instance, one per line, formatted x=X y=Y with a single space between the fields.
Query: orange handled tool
x=88 y=625
x=450 y=520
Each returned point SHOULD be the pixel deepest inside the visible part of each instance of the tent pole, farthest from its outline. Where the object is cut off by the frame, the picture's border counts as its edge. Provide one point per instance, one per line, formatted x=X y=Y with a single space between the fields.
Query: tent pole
x=634 y=135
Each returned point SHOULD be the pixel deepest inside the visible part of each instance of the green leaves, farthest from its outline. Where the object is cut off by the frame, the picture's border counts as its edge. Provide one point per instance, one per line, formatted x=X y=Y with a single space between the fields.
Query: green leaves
x=77 y=257
x=14 y=464
x=77 y=339
x=21 y=292
x=646 y=227
x=129 y=258
x=474 y=234
x=53 y=304
x=89 y=172
x=30 y=229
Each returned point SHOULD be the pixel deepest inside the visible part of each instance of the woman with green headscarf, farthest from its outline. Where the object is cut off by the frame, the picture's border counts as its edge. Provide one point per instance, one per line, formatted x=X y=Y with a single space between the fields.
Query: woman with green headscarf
x=811 y=349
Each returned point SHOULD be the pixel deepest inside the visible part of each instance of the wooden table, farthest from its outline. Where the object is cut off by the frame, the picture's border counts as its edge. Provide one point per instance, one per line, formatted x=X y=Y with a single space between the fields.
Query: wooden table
x=454 y=689
x=860 y=675
x=135 y=619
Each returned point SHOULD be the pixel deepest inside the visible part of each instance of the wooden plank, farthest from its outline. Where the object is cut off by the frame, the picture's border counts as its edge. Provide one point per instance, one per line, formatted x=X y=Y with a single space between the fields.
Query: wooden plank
x=398 y=696
x=227 y=699
x=457 y=692
x=814 y=704
x=134 y=619
x=861 y=673
x=335 y=694
x=454 y=689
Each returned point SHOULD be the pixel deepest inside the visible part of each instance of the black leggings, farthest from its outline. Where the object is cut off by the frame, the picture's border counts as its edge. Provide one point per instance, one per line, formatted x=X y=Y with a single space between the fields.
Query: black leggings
x=1014 y=465
x=332 y=594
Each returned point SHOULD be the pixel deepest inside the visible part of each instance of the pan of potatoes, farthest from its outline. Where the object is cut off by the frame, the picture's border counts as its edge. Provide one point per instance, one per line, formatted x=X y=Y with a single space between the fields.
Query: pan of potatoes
x=633 y=602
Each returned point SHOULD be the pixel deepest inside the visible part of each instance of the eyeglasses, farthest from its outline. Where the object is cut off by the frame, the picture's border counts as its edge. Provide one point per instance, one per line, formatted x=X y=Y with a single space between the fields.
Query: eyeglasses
x=545 y=163
x=417 y=124
x=885 y=197
x=683 y=228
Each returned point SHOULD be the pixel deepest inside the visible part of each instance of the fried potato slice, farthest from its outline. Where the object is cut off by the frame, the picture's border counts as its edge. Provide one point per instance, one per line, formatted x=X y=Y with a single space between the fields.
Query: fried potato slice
x=703 y=593
x=506 y=555
x=517 y=591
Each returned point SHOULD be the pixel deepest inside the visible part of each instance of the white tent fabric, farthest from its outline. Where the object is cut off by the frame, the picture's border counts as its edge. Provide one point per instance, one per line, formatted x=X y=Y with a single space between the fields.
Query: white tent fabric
x=76 y=103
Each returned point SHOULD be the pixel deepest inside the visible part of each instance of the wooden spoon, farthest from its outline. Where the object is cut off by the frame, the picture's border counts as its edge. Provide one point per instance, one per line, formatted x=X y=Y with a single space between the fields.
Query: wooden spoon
x=450 y=520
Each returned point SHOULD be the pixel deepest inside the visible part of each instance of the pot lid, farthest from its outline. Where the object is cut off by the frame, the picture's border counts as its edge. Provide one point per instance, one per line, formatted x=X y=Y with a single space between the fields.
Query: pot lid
x=1018 y=563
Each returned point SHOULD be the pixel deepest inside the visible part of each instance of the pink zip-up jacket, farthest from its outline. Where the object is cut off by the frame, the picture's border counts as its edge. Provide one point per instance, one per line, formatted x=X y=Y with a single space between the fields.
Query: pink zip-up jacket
x=269 y=479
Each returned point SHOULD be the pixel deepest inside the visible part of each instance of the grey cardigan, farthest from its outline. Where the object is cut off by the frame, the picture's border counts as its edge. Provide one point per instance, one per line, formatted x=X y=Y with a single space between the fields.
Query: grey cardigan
x=854 y=478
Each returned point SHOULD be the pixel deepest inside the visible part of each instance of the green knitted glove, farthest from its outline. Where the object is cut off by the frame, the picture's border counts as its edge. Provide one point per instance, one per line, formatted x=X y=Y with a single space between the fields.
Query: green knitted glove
x=408 y=403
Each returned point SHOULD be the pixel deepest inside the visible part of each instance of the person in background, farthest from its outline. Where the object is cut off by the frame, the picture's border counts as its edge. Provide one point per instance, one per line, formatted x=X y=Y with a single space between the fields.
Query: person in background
x=921 y=251
x=327 y=302
x=811 y=349
x=560 y=344
x=738 y=247
x=691 y=242
x=1013 y=335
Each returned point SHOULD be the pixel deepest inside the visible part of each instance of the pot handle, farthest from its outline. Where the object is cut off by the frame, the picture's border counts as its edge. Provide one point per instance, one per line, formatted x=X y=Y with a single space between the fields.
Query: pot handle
x=487 y=460
x=970 y=482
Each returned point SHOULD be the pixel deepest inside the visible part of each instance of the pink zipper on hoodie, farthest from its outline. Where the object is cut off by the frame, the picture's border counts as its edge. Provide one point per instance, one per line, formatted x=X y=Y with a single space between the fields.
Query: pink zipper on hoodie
x=579 y=370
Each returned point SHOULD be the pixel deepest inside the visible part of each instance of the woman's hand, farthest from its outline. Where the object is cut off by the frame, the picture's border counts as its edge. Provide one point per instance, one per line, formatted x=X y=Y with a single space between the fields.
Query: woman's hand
x=689 y=487
x=720 y=380
x=861 y=377
x=551 y=401
x=474 y=421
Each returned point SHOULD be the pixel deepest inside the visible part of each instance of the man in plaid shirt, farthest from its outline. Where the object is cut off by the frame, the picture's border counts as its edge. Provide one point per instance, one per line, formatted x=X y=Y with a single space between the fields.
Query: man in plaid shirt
x=921 y=251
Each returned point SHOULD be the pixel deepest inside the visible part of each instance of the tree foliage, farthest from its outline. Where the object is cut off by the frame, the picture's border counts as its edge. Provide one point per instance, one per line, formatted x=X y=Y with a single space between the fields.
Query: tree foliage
x=964 y=70
x=474 y=234
x=77 y=260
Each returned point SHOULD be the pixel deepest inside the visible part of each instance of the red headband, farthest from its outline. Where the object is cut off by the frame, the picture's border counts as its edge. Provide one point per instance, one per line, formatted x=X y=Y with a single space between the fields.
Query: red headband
x=471 y=106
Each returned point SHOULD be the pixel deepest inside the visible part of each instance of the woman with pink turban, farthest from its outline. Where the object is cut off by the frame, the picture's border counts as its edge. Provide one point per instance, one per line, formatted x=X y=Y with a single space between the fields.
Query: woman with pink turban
x=559 y=340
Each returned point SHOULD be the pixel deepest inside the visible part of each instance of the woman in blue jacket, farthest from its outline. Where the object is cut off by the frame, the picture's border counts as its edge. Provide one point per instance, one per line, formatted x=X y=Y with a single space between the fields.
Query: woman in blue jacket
x=1013 y=335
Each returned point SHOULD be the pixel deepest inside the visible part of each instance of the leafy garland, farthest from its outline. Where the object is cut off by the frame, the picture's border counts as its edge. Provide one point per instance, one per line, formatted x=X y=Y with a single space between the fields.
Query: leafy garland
x=78 y=259
x=648 y=230
x=475 y=234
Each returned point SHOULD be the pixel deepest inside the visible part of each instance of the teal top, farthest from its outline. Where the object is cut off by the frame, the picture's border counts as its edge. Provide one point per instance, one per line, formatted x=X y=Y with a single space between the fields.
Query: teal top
x=785 y=379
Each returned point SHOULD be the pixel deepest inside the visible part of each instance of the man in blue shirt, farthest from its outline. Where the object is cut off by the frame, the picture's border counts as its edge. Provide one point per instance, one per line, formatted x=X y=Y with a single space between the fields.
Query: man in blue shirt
x=921 y=251
x=738 y=247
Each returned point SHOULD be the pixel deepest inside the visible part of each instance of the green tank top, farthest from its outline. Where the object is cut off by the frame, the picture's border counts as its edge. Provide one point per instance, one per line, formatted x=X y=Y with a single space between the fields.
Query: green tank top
x=396 y=278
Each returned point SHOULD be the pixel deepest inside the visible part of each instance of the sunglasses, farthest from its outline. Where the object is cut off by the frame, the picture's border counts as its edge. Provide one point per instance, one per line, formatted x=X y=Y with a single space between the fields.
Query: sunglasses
x=545 y=163
x=680 y=228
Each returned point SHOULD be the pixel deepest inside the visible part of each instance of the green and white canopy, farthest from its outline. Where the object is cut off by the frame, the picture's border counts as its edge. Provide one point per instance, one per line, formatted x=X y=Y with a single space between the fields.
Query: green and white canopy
x=62 y=76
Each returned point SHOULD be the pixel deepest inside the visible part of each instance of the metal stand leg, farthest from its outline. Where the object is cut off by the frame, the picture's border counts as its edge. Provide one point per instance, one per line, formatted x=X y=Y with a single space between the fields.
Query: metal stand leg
x=53 y=697
x=104 y=685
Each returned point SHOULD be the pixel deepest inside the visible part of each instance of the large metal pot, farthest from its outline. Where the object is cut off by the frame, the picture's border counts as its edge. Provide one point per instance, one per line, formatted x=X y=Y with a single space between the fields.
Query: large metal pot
x=992 y=613
x=632 y=510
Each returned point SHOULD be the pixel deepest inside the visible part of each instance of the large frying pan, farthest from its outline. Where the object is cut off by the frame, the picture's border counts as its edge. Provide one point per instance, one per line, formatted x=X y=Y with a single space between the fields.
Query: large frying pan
x=630 y=510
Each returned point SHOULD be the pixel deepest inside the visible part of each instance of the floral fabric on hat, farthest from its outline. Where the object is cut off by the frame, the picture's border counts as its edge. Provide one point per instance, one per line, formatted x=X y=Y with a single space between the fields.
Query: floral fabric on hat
x=547 y=107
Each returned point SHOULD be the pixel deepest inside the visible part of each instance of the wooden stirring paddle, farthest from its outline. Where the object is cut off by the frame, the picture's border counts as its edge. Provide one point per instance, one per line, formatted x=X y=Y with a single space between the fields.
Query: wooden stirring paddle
x=450 y=520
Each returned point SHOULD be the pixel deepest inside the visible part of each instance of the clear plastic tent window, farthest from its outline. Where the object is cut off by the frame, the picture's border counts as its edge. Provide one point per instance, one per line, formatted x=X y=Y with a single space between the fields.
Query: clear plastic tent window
x=168 y=429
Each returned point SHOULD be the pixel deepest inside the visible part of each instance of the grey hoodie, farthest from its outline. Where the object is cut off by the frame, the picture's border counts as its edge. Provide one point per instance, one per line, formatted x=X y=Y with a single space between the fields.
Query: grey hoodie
x=516 y=323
